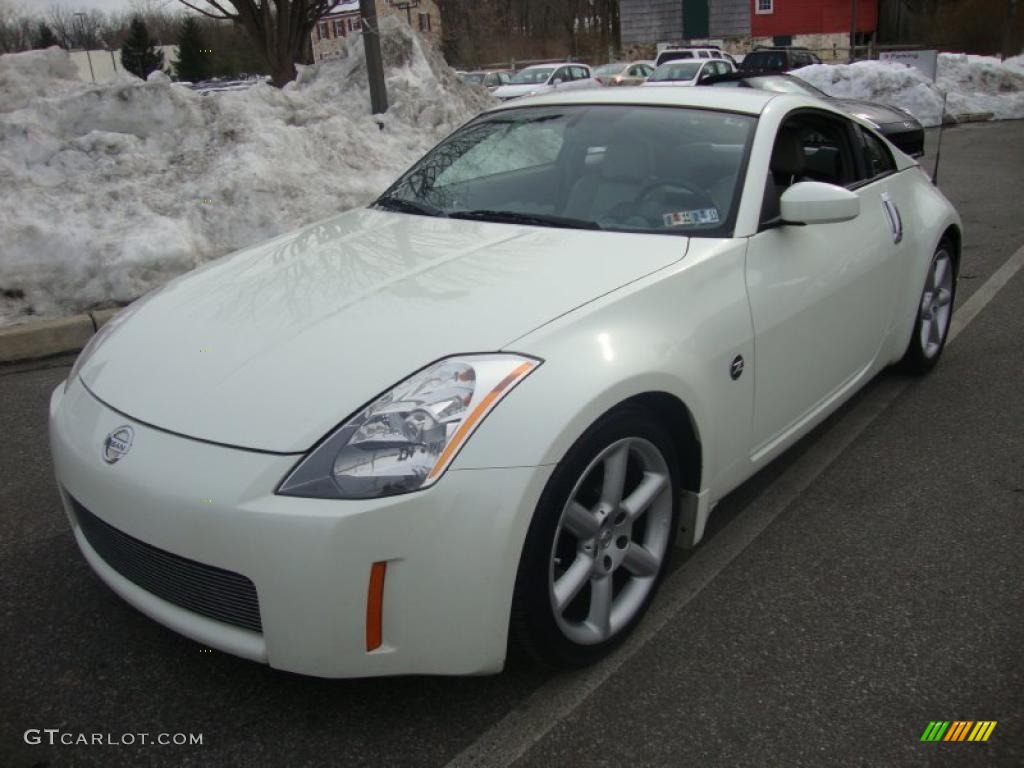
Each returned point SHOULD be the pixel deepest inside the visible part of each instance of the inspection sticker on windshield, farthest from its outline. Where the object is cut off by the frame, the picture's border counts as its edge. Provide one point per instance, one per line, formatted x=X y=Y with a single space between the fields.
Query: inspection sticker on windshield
x=690 y=218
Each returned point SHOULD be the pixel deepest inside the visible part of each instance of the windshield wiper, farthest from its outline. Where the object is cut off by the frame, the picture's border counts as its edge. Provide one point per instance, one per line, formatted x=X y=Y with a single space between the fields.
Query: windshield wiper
x=391 y=203
x=536 y=219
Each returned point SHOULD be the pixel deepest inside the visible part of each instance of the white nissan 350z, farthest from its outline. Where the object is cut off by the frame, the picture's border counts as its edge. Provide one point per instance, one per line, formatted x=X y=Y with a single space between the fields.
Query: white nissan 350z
x=487 y=405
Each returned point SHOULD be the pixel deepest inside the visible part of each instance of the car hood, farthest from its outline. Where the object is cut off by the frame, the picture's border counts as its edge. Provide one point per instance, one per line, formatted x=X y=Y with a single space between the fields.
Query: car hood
x=511 y=91
x=271 y=347
x=880 y=114
x=670 y=82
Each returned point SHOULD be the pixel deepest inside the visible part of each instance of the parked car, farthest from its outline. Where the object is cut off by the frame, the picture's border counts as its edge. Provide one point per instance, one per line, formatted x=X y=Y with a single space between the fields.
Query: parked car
x=485 y=407
x=542 y=78
x=782 y=59
x=490 y=78
x=677 y=52
x=896 y=124
x=623 y=73
x=689 y=72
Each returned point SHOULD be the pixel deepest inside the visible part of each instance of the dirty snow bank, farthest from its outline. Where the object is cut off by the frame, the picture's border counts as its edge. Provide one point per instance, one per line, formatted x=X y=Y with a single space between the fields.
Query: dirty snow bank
x=970 y=83
x=111 y=190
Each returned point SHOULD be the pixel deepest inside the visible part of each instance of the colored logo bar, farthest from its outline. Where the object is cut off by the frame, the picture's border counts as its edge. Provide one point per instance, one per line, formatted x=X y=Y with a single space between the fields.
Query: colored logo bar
x=958 y=730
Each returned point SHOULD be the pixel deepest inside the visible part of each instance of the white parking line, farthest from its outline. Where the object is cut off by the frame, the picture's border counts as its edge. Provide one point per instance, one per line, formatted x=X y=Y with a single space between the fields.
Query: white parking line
x=509 y=739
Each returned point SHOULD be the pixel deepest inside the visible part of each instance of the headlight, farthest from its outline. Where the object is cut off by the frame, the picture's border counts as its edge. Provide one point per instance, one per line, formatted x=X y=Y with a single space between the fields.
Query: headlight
x=406 y=438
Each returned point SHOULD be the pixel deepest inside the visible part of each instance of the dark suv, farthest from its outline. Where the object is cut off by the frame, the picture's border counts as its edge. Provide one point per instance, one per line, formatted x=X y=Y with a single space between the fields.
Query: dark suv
x=767 y=60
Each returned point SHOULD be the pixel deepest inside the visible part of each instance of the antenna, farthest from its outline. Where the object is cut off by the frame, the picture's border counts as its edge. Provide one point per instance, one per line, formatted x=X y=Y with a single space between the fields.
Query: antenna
x=938 y=149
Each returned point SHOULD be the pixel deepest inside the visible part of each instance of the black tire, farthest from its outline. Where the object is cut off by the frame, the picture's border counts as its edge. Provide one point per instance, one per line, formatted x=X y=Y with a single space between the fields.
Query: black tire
x=919 y=357
x=534 y=627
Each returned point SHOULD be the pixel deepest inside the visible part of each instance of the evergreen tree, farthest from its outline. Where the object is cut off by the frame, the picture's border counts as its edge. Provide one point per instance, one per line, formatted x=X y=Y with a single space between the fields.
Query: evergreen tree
x=191 y=64
x=138 y=54
x=44 y=37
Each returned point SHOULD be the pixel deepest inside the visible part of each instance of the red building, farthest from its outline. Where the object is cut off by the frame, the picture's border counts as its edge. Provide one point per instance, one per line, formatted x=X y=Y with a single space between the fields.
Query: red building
x=782 y=18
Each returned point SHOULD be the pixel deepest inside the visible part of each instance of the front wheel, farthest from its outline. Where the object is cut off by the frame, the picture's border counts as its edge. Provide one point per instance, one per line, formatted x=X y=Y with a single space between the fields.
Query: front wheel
x=934 y=313
x=599 y=541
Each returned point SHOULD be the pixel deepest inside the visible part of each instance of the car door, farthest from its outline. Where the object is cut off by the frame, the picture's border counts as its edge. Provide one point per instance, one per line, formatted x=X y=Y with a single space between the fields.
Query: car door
x=559 y=77
x=822 y=295
x=581 y=77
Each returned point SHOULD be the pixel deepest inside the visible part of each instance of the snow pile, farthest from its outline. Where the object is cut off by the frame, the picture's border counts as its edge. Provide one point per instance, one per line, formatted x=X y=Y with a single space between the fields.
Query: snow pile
x=112 y=190
x=970 y=84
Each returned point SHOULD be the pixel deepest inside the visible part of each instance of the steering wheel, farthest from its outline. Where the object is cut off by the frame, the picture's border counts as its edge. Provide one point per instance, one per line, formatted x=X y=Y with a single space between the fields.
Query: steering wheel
x=650 y=189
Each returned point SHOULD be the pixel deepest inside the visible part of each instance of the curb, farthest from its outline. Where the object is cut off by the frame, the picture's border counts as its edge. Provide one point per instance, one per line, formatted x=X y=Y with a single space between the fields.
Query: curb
x=974 y=117
x=45 y=338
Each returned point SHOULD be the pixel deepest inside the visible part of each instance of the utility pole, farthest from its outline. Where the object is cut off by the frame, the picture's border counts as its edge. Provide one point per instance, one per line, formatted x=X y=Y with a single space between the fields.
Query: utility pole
x=1011 y=10
x=853 y=31
x=374 y=61
x=85 y=44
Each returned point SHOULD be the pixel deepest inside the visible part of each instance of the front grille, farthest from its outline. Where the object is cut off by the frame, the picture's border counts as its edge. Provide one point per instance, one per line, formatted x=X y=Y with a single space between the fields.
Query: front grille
x=222 y=595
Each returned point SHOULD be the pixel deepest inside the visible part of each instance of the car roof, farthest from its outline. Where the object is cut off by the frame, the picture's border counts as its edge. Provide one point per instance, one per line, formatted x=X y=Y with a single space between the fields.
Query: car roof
x=748 y=100
x=556 y=64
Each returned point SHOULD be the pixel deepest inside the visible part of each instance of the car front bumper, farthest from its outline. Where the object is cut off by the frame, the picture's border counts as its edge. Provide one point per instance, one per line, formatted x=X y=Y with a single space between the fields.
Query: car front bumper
x=451 y=551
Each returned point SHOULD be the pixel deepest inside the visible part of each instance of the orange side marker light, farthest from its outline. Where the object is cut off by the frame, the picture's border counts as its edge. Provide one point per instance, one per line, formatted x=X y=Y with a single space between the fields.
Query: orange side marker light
x=375 y=606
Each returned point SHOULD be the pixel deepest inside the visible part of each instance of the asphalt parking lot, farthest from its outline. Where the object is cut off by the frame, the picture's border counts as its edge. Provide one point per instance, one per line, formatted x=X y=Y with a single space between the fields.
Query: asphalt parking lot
x=869 y=582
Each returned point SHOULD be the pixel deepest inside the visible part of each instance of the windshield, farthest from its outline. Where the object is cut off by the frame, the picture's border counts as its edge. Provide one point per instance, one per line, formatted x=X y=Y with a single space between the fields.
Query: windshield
x=609 y=69
x=473 y=78
x=616 y=167
x=786 y=85
x=531 y=76
x=679 y=70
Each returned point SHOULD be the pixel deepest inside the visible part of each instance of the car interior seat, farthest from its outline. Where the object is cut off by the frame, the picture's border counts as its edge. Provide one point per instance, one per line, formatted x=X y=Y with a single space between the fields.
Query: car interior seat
x=623 y=173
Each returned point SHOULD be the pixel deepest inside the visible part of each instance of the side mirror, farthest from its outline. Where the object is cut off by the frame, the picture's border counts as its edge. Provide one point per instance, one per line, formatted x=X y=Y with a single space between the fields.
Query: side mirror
x=557 y=81
x=814 y=202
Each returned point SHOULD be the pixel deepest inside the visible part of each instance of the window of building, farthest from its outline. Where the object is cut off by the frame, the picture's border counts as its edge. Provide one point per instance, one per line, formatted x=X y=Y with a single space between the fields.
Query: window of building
x=324 y=32
x=339 y=28
x=424 y=22
x=765 y=6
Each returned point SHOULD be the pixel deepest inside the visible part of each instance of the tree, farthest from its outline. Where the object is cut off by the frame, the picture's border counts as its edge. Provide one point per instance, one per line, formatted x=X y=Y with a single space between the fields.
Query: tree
x=191 y=64
x=44 y=37
x=279 y=28
x=138 y=55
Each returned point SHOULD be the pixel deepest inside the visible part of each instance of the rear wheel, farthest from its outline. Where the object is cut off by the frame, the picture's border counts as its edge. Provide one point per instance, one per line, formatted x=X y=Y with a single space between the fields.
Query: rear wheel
x=934 y=313
x=599 y=541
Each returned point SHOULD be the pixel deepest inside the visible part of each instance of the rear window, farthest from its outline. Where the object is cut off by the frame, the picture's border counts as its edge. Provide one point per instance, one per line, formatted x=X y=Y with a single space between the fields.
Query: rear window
x=773 y=60
x=674 y=56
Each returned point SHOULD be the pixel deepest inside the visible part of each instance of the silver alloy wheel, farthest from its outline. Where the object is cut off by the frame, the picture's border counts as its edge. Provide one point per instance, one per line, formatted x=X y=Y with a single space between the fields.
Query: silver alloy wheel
x=611 y=541
x=936 y=303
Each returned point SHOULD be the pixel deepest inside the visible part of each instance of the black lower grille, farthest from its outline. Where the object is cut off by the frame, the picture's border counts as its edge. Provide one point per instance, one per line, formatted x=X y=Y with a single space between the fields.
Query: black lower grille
x=204 y=589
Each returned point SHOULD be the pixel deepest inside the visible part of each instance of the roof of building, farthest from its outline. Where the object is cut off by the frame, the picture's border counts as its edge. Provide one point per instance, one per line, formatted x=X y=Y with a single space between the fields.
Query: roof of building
x=343 y=6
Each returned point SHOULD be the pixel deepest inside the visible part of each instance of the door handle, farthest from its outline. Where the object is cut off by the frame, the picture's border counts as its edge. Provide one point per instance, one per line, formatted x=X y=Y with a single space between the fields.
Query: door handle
x=892 y=213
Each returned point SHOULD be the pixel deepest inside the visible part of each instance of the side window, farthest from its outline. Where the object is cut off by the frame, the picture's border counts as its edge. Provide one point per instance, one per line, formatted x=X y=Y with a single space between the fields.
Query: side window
x=579 y=73
x=810 y=146
x=561 y=74
x=877 y=158
x=703 y=54
x=716 y=55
